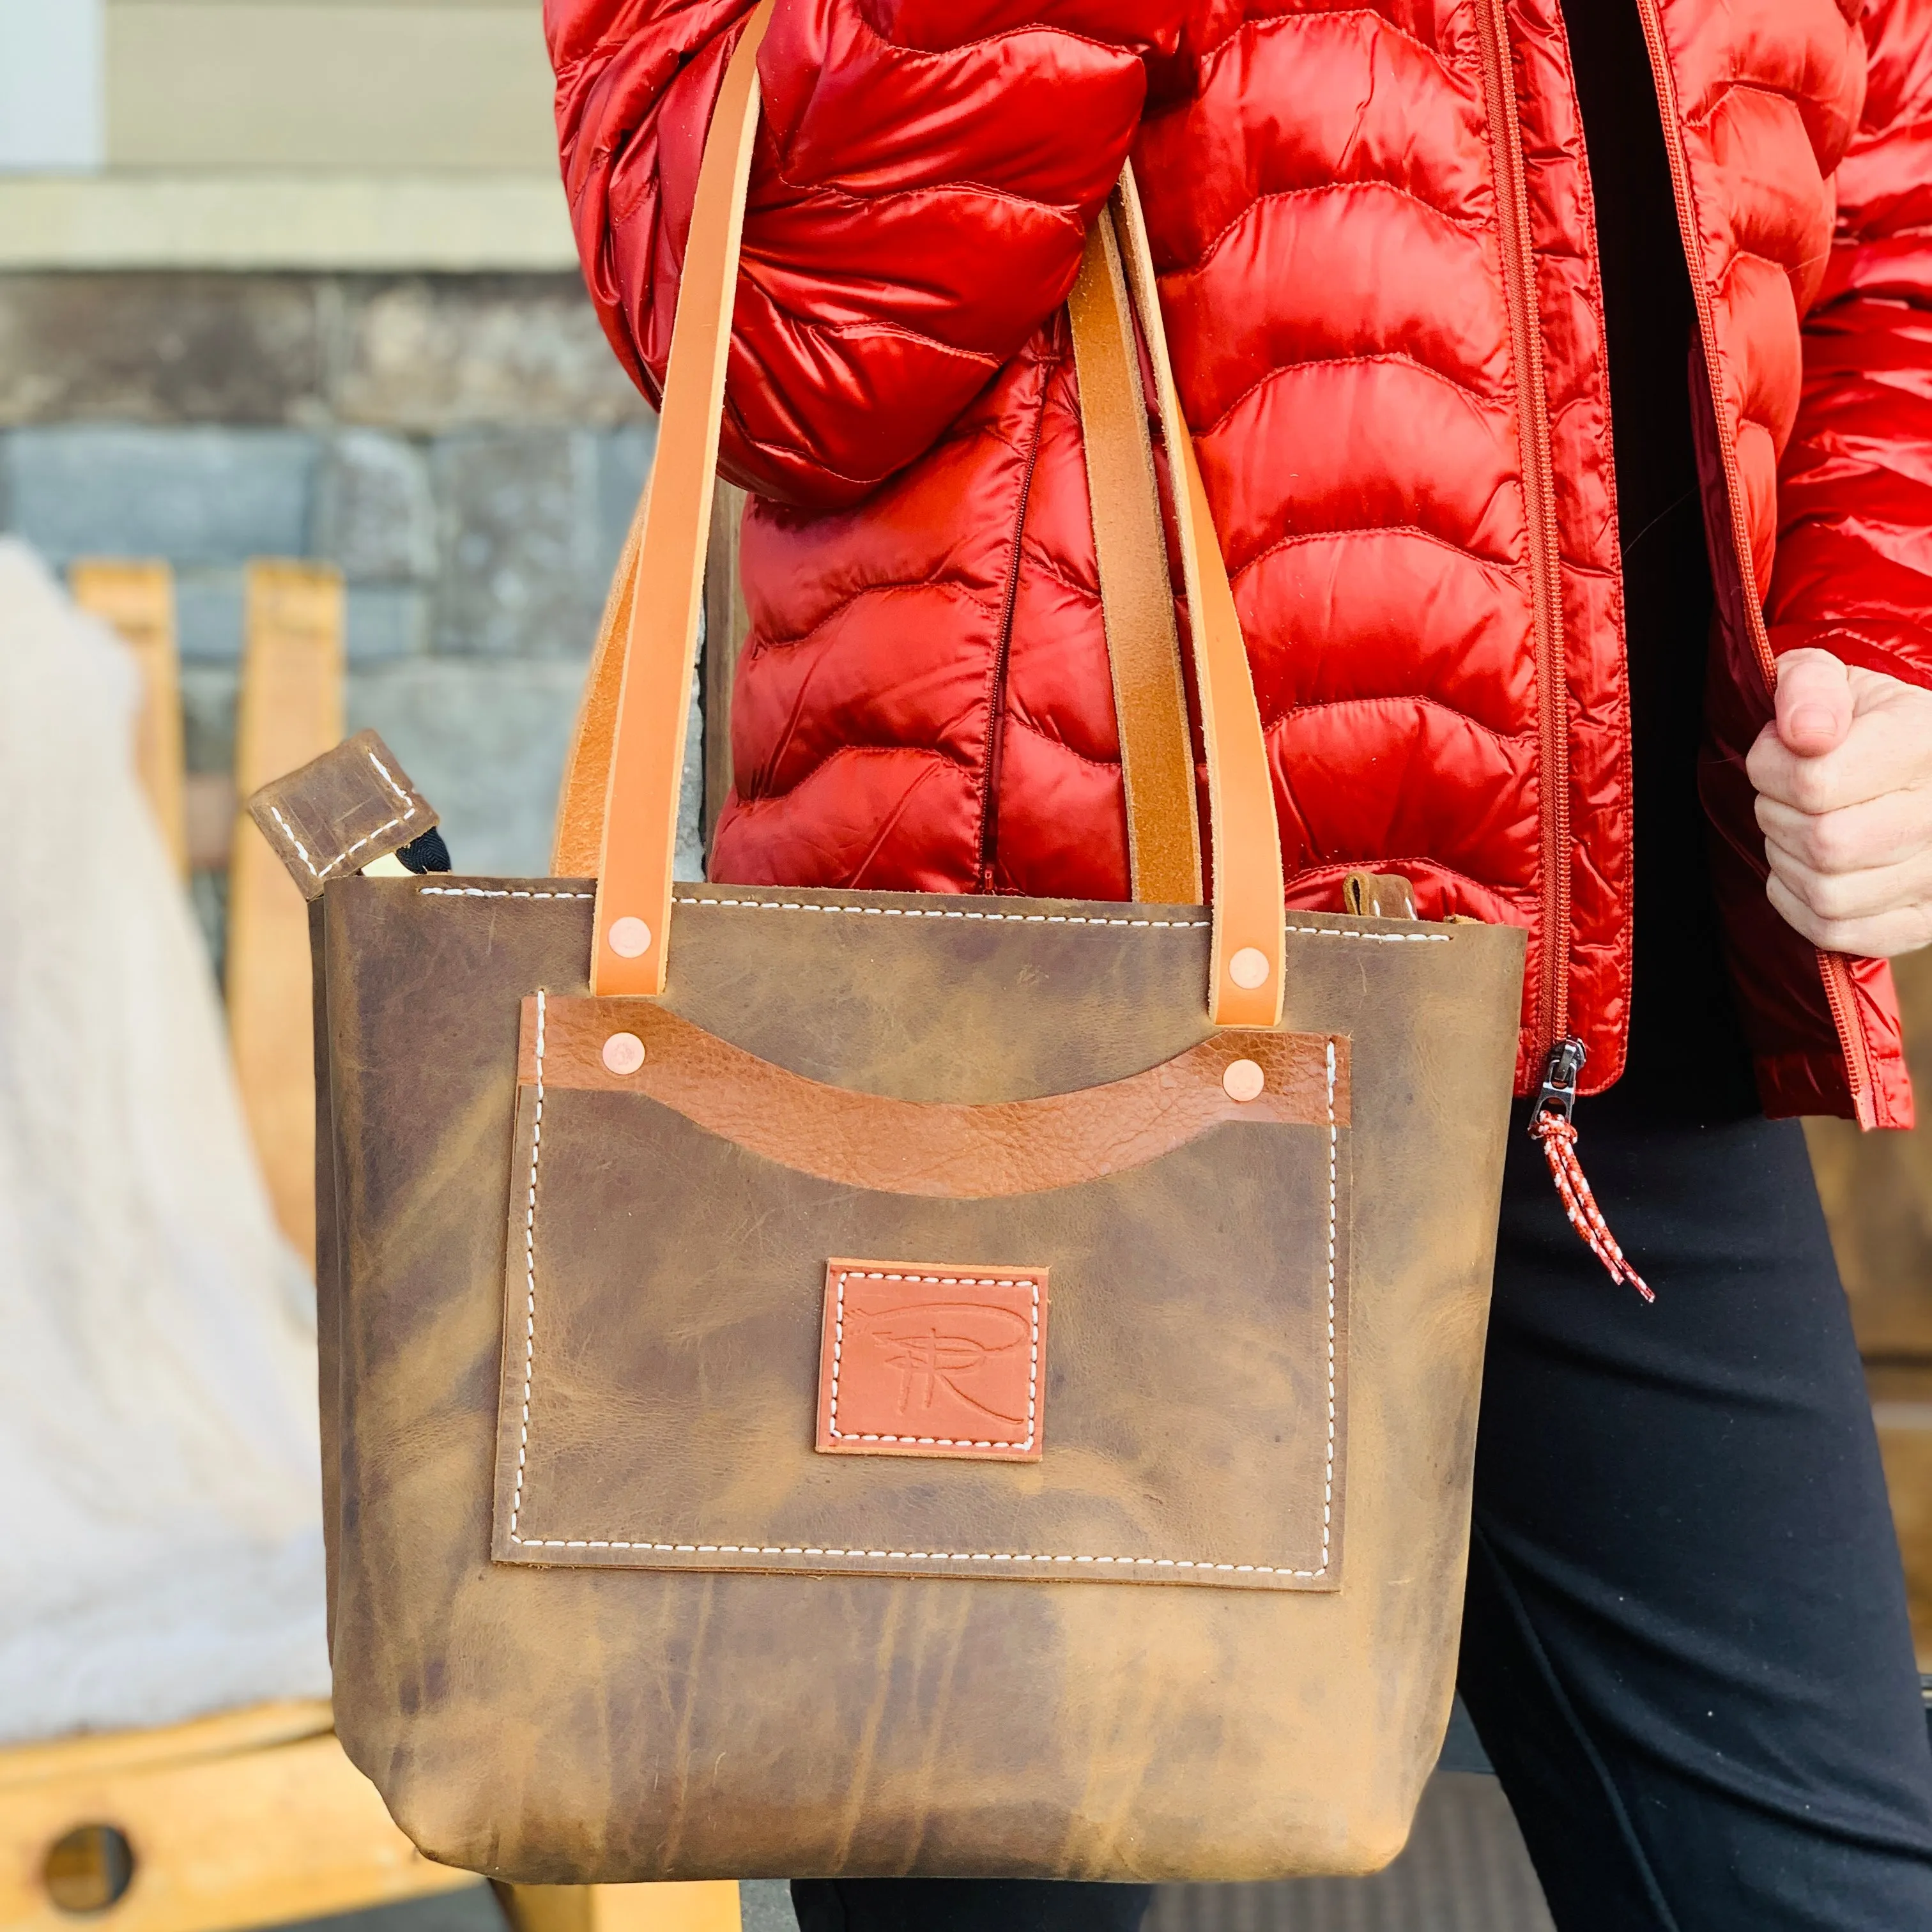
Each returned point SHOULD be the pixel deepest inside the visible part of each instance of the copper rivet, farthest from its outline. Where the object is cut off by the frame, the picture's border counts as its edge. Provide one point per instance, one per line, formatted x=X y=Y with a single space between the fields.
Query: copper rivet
x=624 y=1053
x=1243 y=1079
x=1249 y=968
x=630 y=936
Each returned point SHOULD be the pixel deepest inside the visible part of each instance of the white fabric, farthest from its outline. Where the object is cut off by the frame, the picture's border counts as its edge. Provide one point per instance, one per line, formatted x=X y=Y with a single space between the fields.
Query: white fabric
x=161 y=1553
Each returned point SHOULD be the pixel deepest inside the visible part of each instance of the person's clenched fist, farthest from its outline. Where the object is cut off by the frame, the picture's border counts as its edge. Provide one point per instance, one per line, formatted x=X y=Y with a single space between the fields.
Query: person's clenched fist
x=1843 y=776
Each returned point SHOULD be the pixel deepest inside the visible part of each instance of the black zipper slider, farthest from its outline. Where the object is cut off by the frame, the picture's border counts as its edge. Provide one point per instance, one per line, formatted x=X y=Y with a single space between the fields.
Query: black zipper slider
x=1552 y=1126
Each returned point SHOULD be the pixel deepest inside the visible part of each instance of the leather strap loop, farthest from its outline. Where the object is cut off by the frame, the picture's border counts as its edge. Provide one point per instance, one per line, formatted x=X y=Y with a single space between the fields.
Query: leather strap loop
x=1136 y=598
x=644 y=689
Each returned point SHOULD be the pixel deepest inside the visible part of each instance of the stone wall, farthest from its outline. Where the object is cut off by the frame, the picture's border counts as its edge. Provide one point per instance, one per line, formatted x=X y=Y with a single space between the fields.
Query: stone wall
x=466 y=448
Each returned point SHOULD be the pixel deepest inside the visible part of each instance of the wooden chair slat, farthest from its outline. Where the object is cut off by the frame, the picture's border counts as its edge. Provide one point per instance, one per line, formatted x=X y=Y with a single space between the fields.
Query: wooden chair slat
x=289 y=711
x=137 y=598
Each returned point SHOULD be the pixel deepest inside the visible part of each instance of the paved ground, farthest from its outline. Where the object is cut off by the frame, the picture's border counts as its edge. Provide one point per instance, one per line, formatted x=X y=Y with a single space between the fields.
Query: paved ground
x=472 y=1911
x=1464 y=1870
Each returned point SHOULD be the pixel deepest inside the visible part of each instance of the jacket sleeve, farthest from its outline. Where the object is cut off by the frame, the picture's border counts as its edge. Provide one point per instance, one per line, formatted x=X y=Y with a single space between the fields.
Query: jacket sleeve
x=920 y=190
x=1854 y=568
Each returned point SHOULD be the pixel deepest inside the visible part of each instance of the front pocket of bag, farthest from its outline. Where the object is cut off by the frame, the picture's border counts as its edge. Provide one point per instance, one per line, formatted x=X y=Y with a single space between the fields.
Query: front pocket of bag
x=754 y=1323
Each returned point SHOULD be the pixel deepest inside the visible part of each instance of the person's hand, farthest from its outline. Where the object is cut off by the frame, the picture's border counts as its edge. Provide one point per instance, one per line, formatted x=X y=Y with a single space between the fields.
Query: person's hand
x=1844 y=800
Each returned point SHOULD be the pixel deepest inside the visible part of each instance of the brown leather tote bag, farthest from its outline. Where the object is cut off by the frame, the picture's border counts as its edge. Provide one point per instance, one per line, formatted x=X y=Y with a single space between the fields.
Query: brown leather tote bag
x=869 y=1383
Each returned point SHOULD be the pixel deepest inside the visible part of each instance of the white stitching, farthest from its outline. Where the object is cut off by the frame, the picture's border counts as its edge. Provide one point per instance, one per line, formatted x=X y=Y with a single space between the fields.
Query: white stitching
x=1052 y=919
x=907 y=1556
x=408 y=812
x=902 y=1555
x=922 y=912
x=1379 y=938
x=1328 y=1466
x=485 y=892
x=382 y=772
x=1047 y=919
x=530 y=1279
x=937 y=1281
x=288 y=833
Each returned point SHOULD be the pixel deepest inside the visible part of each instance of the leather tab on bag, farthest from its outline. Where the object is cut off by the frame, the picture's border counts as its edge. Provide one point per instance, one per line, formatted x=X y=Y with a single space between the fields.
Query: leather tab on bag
x=341 y=812
x=1378 y=895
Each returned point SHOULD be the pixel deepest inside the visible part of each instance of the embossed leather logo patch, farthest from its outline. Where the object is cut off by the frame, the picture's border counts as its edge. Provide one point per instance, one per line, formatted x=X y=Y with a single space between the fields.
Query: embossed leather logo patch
x=922 y=1359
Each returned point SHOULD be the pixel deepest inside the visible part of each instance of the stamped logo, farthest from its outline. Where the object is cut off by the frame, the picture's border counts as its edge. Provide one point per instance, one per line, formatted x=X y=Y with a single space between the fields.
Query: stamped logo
x=923 y=1359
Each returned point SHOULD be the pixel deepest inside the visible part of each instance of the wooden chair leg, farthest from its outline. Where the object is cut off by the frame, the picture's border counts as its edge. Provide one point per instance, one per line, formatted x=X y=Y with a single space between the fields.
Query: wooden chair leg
x=706 y=1906
x=289 y=710
x=252 y=1818
x=138 y=600
x=1877 y=1191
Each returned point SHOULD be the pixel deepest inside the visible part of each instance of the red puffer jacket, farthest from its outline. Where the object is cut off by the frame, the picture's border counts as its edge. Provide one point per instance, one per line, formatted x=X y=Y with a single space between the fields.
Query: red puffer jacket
x=1374 y=230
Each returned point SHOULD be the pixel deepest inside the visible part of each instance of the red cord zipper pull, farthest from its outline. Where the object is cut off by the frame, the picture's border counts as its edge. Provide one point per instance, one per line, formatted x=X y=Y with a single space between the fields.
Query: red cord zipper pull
x=1551 y=1126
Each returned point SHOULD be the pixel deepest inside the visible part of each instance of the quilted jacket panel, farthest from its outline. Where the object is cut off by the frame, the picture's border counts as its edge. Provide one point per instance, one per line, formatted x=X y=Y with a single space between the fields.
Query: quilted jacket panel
x=925 y=703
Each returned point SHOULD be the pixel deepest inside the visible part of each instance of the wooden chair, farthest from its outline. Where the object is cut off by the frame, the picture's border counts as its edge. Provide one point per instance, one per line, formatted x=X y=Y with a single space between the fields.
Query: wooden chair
x=252 y=1817
x=1877 y=1189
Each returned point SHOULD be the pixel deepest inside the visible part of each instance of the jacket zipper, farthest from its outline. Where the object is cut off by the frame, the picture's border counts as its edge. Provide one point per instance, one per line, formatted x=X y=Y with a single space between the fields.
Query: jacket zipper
x=1832 y=969
x=1518 y=265
x=996 y=716
x=1550 y=1126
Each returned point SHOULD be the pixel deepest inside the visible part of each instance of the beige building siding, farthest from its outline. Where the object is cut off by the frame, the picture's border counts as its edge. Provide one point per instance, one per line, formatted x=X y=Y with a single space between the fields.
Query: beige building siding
x=444 y=222
x=329 y=85
x=325 y=135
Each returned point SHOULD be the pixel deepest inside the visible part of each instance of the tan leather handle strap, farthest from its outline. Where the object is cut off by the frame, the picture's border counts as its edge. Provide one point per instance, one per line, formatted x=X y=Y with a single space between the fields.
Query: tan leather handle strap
x=656 y=603
x=1244 y=987
x=578 y=844
x=1136 y=598
x=639 y=828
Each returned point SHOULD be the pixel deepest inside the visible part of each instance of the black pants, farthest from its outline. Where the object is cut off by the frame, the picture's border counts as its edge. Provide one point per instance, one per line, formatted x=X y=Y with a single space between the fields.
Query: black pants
x=1685 y=1645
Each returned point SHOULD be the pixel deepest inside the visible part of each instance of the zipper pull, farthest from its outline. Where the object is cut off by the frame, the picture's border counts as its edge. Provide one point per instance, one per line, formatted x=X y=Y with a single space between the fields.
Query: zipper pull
x=1551 y=1125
